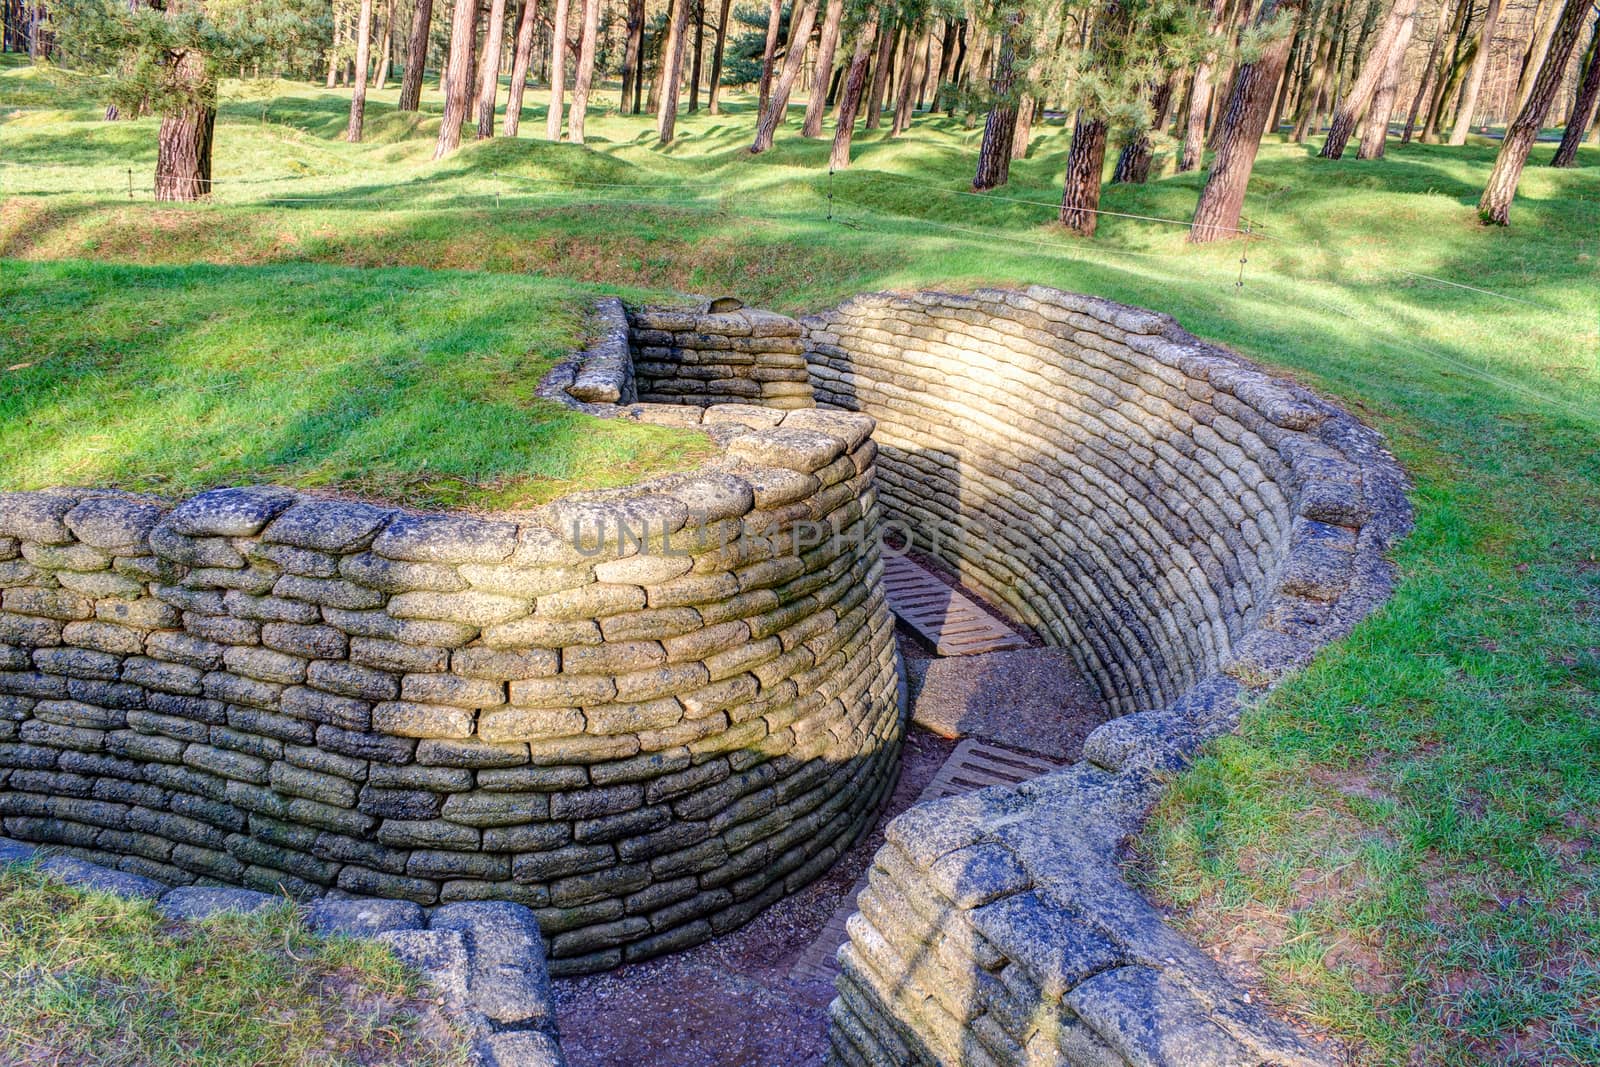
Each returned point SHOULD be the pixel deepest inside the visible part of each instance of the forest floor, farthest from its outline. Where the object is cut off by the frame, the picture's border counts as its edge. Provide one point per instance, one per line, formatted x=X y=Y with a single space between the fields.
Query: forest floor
x=1400 y=846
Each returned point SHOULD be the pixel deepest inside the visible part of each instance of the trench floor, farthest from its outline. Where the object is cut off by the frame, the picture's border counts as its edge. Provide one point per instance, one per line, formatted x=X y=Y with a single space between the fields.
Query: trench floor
x=756 y=997
x=731 y=1002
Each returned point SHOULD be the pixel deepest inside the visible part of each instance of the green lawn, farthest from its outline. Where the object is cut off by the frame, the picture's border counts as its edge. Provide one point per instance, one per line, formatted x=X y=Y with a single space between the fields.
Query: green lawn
x=87 y=978
x=401 y=384
x=1402 y=842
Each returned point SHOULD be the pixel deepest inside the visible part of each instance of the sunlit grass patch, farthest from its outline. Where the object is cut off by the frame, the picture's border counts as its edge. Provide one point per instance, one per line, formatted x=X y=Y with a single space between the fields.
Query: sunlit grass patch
x=90 y=979
x=404 y=385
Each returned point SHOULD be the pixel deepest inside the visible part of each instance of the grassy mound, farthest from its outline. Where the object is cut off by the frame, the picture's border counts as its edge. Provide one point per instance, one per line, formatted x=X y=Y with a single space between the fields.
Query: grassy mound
x=402 y=385
x=90 y=979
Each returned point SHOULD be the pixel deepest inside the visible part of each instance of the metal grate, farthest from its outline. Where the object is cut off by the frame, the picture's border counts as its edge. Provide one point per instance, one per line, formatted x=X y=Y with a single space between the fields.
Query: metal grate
x=951 y=621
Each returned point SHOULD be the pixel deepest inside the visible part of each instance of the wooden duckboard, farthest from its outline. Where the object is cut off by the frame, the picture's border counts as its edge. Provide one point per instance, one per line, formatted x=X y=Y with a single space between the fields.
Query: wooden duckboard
x=948 y=619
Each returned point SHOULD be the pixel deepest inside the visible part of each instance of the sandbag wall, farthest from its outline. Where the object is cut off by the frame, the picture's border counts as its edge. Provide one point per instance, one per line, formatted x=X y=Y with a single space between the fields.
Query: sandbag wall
x=1114 y=483
x=693 y=355
x=1195 y=530
x=646 y=737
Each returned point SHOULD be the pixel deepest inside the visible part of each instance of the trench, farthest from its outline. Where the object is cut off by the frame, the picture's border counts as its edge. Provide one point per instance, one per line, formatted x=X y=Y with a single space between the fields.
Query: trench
x=1104 y=510
x=756 y=821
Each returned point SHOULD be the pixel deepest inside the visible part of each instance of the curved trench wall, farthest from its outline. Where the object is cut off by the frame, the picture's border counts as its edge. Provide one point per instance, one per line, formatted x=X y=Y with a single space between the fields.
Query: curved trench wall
x=1122 y=488
x=704 y=357
x=1192 y=529
x=645 y=736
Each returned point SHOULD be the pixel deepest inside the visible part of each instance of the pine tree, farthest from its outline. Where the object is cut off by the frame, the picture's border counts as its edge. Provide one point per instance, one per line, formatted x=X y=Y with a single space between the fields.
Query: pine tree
x=817 y=103
x=1494 y=207
x=358 y=98
x=1130 y=47
x=416 y=56
x=558 y=71
x=1396 y=32
x=1239 y=132
x=585 y=74
x=778 y=104
x=169 y=60
x=489 y=75
x=1474 y=83
x=521 y=56
x=850 y=96
x=457 y=77
x=1584 y=104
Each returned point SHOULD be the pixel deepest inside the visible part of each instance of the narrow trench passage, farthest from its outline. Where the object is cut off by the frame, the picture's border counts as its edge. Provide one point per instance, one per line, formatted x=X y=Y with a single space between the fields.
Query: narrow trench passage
x=757 y=997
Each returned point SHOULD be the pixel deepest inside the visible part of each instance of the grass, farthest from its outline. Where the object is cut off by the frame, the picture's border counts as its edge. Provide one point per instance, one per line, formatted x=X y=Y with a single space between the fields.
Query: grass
x=88 y=978
x=403 y=384
x=1400 y=844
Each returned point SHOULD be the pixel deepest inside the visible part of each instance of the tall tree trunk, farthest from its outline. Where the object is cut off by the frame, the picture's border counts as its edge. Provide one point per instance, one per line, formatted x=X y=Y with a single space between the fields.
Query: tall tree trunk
x=1474 y=83
x=1494 y=208
x=969 y=118
x=1295 y=63
x=881 y=65
x=1194 y=131
x=947 y=51
x=416 y=56
x=335 y=54
x=921 y=95
x=585 y=75
x=489 y=75
x=41 y=41
x=1000 y=129
x=558 y=71
x=457 y=77
x=358 y=99
x=717 y=47
x=1222 y=200
x=633 y=58
x=183 y=154
x=778 y=104
x=916 y=63
x=1086 y=161
x=1583 y=105
x=672 y=67
x=957 y=69
x=1316 y=83
x=1376 y=134
x=1450 y=74
x=1396 y=30
x=183 y=147
x=521 y=55
x=1133 y=162
x=1026 y=106
x=1544 y=27
x=699 y=15
x=855 y=85
x=827 y=44
x=385 y=46
x=1440 y=31
x=768 y=58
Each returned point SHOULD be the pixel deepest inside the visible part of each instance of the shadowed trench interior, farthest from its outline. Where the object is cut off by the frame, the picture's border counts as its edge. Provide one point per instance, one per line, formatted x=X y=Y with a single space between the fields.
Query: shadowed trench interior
x=1124 y=495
